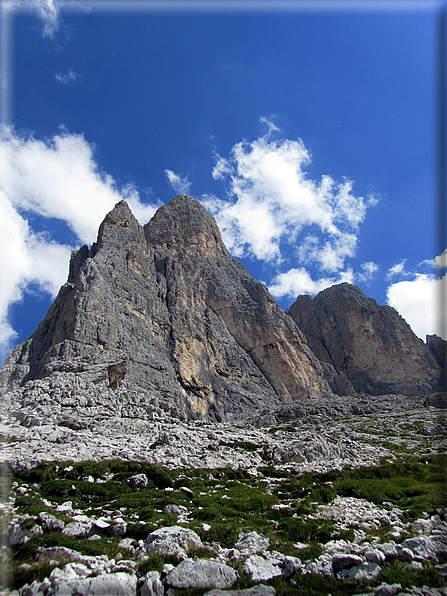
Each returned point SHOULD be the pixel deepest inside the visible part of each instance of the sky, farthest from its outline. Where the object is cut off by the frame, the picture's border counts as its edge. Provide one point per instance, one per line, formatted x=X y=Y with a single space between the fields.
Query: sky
x=310 y=130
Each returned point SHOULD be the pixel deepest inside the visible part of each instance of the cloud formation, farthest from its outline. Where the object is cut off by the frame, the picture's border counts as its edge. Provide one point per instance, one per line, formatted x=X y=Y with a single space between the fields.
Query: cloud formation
x=397 y=269
x=58 y=179
x=270 y=200
x=68 y=78
x=46 y=10
x=419 y=302
x=181 y=185
x=294 y=282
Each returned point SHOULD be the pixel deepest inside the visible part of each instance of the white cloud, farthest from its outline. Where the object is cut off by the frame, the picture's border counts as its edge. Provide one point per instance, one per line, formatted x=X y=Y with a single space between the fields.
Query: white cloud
x=396 y=269
x=369 y=269
x=54 y=179
x=46 y=10
x=69 y=78
x=271 y=201
x=419 y=302
x=295 y=282
x=180 y=184
x=439 y=262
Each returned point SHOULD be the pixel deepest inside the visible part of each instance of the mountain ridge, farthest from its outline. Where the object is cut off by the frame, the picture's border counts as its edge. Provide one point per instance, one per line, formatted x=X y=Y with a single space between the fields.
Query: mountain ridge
x=165 y=311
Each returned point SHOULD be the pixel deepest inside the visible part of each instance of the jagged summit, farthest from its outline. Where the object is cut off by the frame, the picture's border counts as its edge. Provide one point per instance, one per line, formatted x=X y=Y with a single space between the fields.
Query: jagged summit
x=371 y=344
x=185 y=228
x=167 y=312
x=168 y=317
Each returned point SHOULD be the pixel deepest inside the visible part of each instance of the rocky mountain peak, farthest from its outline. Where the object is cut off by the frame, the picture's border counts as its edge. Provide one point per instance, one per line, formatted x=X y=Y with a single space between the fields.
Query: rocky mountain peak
x=185 y=228
x=167 y=313
x=371 y=344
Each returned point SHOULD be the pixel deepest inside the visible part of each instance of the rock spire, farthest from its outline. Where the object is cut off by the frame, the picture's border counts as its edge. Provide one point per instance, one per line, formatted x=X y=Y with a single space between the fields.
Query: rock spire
x=166 y=311
x=371 y=344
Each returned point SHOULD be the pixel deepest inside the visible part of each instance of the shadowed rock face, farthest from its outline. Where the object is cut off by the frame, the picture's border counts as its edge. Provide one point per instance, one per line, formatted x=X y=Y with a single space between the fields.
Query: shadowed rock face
x=371 y=344
x=166 y=311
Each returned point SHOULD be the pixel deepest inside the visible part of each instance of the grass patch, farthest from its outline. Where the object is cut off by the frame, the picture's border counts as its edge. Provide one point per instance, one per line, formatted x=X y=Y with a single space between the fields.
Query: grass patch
x=231 y=502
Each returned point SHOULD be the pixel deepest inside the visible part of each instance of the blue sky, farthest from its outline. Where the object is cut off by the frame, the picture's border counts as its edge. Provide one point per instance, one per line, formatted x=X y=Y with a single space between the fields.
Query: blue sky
x=309 y=131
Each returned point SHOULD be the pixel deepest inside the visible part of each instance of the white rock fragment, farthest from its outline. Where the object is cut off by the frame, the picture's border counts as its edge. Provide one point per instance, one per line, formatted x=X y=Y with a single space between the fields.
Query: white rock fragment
x=201 y=573
x=259 y=569
x=251 y=543
x=172 y=540
x=152 y=585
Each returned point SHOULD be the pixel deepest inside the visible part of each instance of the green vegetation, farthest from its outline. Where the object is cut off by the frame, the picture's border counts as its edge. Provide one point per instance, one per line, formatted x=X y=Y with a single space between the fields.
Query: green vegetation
x=230 y=502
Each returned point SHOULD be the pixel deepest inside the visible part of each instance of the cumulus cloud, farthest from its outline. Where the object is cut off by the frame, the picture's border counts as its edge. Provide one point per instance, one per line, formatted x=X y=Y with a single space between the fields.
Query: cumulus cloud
x=58 y=178
x=46 y=10
x=180 y=184
x=397 y=269
x=369 y=270
x=419 y=301
x=271 y=200
x=68 y=78
x=295 y=282
x=439 y=262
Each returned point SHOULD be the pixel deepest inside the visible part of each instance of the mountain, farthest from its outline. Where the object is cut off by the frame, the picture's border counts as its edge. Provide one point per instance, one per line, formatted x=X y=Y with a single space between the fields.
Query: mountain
x=166 y=312
x=371 y=344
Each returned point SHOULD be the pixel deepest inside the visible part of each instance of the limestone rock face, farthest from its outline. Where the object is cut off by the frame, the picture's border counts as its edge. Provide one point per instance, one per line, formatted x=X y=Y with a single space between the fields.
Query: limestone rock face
x=438 y=349
x=166 y=312
x=371 y=344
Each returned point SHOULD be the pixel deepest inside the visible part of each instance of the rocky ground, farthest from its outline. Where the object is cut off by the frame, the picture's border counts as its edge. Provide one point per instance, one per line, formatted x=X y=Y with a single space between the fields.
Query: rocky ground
x=344 y=497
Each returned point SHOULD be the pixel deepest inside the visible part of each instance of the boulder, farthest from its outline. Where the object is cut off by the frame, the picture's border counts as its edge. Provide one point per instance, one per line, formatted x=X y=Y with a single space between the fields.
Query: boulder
x=259 y=569
x=366 y=570
x=50 y=522
x=387 y=589
x=375 y=555
x=290 y=566
x=112 y=584
x=251 y=543
x=172 y=540
x=138 y=481
x=430 y=548
x=201 y=573
x=345 y=561
x=260 y=590
x=78 y=529
x=152 y=585
x=389 y=549
x=19 y=535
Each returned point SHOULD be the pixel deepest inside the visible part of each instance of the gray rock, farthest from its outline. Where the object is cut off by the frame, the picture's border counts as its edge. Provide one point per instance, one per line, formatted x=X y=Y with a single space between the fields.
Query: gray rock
x=138 y=481
x=50 y=522
x=366 y=570
x=260 y=590
x=438 y=348
x=387 y=589
x=152 y=585
x=404 y=554
x=389 y=550
x=431 y=548
x=251 y=543
x=18 y=535
x=375 y=555
x=290 y=566
x=119 y=528
x=201 y=573
x=259 y=569
x=172 y=540
x=345 y=561
x=30 y=590
x=78 y=529
x=113 y=584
